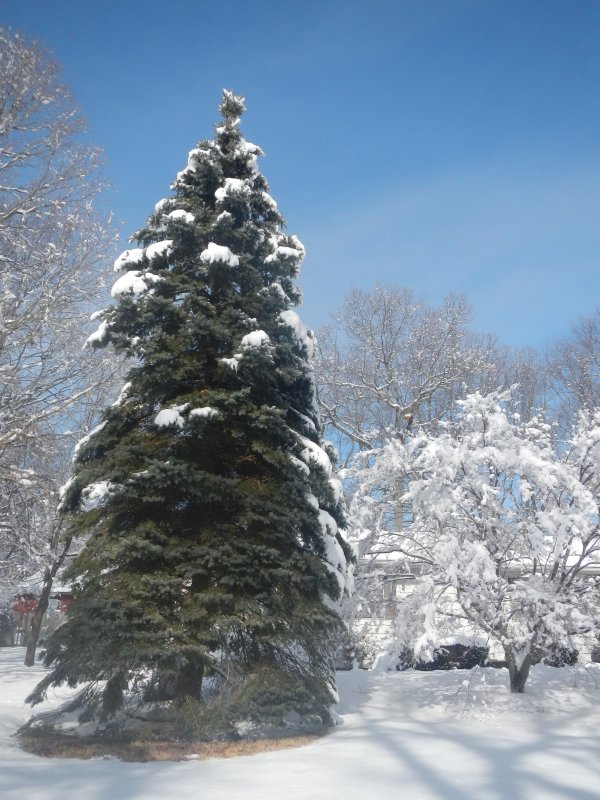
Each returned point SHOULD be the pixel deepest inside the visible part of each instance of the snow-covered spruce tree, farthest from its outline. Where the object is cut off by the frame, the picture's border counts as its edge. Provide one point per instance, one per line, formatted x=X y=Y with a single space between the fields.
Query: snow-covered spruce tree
x=209 y=581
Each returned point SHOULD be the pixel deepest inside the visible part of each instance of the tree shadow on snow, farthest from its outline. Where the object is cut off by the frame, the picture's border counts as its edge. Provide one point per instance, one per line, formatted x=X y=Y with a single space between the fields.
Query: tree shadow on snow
x=473 y=759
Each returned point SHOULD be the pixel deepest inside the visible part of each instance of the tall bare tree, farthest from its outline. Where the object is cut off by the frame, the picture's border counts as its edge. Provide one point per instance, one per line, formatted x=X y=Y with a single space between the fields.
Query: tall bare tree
x=574 y=367
x=392 y=363
x=52 y=240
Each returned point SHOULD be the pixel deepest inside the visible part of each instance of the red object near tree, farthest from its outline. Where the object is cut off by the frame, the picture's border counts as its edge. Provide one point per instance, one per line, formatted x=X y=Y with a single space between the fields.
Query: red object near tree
x=24 y=603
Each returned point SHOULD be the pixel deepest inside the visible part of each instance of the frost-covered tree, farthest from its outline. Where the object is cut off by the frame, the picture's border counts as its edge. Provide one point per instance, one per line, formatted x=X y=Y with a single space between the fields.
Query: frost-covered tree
x=393 y=364
x=574 y=367
x=209 y=583
x=52 y=241
x=501 y=531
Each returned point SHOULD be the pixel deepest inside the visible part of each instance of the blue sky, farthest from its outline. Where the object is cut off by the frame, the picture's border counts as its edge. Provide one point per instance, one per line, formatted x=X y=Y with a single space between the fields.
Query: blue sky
x=446 y=146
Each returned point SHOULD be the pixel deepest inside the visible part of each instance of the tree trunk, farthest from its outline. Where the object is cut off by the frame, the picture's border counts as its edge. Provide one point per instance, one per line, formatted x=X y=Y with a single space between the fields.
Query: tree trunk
x=518 y=670
x=7 y=630
x=189 y=682
x=38 y=615
x=37 y=618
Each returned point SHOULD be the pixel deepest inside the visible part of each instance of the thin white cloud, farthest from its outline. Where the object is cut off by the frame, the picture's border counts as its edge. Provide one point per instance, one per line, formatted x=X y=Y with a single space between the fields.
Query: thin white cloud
x=522 y=239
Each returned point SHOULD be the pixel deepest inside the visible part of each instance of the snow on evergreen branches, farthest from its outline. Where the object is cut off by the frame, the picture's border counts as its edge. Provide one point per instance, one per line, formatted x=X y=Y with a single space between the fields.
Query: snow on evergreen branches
x=219 y=254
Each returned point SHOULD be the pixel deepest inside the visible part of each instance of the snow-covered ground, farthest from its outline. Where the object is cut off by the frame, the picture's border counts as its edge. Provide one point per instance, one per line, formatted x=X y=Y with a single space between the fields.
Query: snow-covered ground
x=414 y=735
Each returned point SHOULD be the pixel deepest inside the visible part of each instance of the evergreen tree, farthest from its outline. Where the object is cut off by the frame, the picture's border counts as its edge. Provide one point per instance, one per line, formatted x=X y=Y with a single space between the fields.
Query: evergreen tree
x=214 y=559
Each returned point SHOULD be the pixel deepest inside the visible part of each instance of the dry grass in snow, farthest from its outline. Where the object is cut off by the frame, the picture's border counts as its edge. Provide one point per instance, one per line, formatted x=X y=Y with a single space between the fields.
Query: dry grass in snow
x=54 y=745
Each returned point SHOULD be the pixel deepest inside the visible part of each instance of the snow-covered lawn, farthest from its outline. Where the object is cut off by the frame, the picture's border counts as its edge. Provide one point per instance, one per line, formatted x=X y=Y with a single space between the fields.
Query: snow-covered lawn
x=414 y=735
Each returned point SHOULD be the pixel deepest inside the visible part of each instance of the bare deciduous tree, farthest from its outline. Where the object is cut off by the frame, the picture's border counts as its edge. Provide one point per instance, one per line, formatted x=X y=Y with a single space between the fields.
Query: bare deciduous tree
x=52 y=241
x=393 y=363
x=574 y=366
